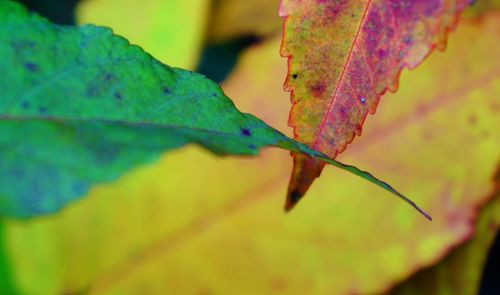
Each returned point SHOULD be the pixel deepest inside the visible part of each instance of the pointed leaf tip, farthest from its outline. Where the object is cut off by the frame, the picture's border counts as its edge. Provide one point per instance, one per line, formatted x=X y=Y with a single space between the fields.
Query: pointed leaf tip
x=292 y=198
x=368 y=176
x=306 y=159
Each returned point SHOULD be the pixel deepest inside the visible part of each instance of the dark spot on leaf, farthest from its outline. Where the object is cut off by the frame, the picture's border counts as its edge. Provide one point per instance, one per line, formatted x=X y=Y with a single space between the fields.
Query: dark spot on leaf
x=79 y=188
x=495 y=107
x=246 y=132
x=108 y=77
x=332 y=8
x=104 y=154
x=472 y=120
x=17 y=172
x=166 y=90
x=421 y=109
x=42 y=110
x=381 y=53
x=279 y=284
x=93 y=90
x=31 y=67
x=25 y=105
x=21 y=45
x=295 y=196
x=343 y=112
x=352 y=15
x=432 y=8
x=390 y=33
x=427 y=135
x=252 y=146
x=318 y=89
x=407 y=40
x=295 y=76
x=214 y=94
x=118 y=95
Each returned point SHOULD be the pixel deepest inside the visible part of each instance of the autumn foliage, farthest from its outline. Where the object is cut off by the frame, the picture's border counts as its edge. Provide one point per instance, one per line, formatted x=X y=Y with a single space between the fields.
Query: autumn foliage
x=111 y=175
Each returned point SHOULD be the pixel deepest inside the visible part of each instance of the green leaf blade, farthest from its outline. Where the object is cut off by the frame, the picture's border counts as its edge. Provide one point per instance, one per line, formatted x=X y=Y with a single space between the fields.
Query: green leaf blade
x=80 y=106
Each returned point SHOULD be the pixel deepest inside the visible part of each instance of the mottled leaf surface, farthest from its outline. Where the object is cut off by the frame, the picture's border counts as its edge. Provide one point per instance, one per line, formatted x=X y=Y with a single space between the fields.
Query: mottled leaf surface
x=80 y=106
x=342 y=56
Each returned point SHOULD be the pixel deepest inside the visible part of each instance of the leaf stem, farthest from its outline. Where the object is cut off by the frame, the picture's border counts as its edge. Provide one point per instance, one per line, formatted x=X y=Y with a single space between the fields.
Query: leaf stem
x=300 y=148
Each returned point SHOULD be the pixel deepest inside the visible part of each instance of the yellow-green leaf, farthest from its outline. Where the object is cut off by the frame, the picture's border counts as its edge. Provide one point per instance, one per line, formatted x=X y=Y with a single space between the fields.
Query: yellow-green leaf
x=461 y=271
x=171 y=30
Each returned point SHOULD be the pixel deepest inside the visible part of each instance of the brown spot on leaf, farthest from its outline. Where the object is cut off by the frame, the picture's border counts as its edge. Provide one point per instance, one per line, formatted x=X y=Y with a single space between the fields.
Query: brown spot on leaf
x=472 y=120
x=318 y=89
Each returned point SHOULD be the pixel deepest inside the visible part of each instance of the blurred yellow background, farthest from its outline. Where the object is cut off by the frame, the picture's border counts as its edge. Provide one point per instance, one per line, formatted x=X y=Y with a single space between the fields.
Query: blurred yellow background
x=193 y=223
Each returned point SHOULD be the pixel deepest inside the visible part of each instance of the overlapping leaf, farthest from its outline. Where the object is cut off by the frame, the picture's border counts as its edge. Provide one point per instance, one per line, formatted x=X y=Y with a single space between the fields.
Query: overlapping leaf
x=82 y=106
x=342 y=56
x=150 y=232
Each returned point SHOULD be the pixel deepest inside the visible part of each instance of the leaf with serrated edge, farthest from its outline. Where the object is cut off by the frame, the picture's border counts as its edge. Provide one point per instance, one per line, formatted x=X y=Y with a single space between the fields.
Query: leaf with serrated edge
x=342 y=56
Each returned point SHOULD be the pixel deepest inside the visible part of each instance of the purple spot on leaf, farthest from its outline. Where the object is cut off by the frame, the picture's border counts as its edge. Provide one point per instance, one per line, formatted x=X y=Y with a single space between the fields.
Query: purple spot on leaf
x=31 y=67
x=246 y=132
x=25 y=105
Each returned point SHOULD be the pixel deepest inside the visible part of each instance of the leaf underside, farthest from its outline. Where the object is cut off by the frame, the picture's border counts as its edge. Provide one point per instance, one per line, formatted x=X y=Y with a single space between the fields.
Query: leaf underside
x=80 y=106
x=342 y=56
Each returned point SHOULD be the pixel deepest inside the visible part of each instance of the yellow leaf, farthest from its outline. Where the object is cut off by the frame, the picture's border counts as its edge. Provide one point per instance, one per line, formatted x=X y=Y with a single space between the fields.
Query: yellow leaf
x=234 y=18
x=171 y=30
x=460 y=272
x=482 y=7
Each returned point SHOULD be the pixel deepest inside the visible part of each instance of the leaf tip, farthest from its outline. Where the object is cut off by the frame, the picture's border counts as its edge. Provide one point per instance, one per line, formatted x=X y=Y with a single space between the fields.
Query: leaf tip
x=425 y=214
x=292 y=198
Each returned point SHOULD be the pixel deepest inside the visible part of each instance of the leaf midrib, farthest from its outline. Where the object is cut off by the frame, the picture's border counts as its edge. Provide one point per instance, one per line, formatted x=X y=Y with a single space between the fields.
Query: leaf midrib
x=332 y=97
x=121 y=123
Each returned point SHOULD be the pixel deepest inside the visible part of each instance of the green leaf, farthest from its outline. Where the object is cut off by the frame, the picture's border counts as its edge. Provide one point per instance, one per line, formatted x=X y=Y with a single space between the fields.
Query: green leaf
x=80 y=106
